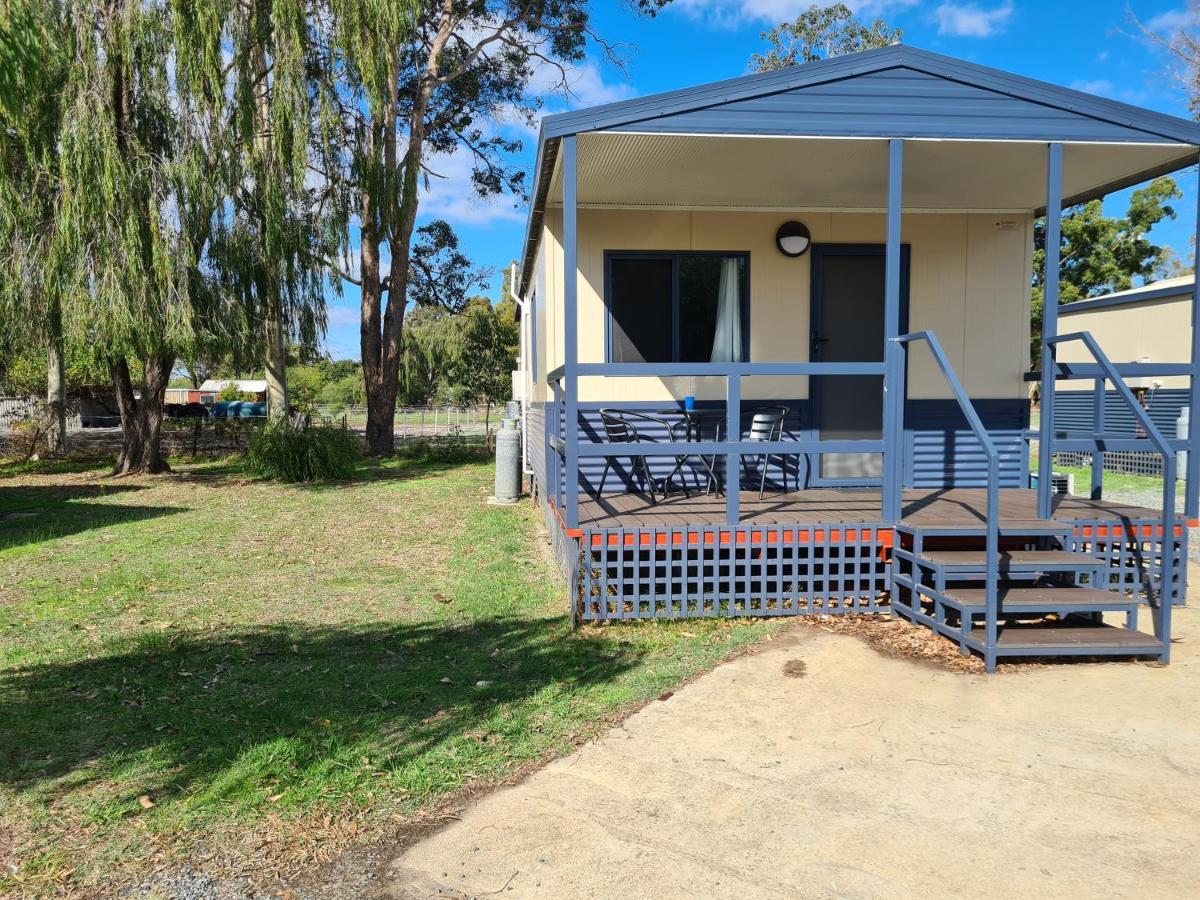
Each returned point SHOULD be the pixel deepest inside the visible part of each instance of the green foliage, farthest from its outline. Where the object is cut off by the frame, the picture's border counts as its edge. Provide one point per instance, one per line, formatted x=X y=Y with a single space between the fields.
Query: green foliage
x=487 y=352
x=445 y=448
x=1100 y=254
x=230 y=392
x=819 y=33
x=282 y=453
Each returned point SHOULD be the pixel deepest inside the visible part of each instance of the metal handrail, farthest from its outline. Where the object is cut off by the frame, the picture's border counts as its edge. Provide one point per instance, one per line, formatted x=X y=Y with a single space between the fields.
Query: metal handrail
x=732 y=450
x=992 y=540
x=1163 y=446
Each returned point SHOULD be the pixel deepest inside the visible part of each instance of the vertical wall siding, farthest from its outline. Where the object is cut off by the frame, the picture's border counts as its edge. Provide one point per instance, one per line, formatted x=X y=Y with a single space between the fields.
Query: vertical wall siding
x=535 y=438
x=940 y=450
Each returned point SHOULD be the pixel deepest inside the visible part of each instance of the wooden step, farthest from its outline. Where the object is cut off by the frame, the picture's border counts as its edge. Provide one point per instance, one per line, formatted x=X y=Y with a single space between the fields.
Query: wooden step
x=1016 y=600
x=1050 y=639
x=1013 y=560
x=1008 y=528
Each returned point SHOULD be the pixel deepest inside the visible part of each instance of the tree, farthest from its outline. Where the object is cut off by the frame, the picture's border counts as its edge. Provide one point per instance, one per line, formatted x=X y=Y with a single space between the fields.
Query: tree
x=487 y=353
x=31 y=114
x=423 y=78
x=819 y=33
x=264 y=108
x=1100 y=254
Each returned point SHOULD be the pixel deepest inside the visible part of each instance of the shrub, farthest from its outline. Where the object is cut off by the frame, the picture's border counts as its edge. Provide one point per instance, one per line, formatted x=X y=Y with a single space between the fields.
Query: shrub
x=279 y=451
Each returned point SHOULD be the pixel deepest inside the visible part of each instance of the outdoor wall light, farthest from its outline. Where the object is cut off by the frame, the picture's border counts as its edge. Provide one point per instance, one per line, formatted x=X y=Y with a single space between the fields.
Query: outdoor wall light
x=793 y=239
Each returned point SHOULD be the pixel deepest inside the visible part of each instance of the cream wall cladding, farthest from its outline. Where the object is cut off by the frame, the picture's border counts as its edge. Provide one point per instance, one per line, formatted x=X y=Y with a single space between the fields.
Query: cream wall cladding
x=1158 y=330
x=969 y=283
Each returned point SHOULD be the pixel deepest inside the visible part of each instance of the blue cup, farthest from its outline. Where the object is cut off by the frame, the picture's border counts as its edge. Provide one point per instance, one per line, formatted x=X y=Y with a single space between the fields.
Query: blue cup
x=689 y=403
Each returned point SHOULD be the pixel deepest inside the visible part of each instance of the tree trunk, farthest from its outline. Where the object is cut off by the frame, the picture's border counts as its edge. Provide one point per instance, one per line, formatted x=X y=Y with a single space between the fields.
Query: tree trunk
x=274 y=342
x=56 y=386
x=276 y=364
x=141 y=419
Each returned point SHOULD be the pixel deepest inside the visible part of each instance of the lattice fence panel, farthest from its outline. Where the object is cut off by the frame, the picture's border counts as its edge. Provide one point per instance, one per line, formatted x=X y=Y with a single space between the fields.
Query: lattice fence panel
x=1134 y=552
x=695 y=571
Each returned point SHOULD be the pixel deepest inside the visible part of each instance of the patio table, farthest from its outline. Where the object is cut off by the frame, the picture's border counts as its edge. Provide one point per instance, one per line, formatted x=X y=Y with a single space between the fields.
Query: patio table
x=693 y=421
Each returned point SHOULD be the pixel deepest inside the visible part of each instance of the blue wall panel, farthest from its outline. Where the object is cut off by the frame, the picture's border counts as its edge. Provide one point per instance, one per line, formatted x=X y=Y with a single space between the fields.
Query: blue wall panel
x=1073 y=411
x=940 y=450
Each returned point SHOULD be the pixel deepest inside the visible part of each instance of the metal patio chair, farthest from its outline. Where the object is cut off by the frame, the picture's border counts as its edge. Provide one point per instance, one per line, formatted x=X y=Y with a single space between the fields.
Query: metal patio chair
x=618 y=429
x=766 y=425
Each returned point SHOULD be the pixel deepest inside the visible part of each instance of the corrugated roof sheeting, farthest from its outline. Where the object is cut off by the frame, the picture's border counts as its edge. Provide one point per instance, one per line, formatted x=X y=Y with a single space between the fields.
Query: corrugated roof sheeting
x=899 y=102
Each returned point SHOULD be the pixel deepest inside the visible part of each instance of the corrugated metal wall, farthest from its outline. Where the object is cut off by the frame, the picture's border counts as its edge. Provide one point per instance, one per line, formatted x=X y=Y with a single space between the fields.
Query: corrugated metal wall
x=1073 y=411
x=942 y=451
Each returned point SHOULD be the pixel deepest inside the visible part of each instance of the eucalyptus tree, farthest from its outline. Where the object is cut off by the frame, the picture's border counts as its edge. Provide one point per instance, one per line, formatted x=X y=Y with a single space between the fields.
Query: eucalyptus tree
x=820 y=32
x=423 y=79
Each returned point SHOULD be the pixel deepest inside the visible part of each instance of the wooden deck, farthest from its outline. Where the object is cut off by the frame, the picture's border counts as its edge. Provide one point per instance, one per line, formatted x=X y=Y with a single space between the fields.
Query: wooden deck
x=833 y=506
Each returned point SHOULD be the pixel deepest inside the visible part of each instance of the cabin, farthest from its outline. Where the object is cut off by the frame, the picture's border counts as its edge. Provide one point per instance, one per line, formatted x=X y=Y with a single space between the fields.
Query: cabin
x=776 y=339
x=1147 y=324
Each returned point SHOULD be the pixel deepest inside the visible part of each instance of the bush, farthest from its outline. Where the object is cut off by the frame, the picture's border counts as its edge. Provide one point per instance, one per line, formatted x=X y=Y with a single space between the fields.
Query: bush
x=282 y=453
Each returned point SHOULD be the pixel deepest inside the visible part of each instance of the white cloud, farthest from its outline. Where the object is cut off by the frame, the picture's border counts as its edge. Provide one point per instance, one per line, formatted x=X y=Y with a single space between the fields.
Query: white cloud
x=733 y=13
x=1175 y=19
x=1098 y=86
x=970 y=20
x=343 y=316
x=451 y=195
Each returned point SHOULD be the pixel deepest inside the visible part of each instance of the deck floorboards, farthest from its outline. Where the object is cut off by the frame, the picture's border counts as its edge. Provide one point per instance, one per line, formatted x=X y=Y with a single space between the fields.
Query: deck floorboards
x=833 y=506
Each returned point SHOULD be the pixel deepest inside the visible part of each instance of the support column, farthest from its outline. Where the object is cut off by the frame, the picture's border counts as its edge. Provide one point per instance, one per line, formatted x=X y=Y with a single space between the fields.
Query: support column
x=733 y=461
x=893 y=353
x=1191 y=504
x=570 y=333
x=1054 y=164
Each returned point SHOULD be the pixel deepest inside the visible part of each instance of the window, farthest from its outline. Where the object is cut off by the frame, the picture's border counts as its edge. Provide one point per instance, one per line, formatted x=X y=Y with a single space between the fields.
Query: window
x=678 y=307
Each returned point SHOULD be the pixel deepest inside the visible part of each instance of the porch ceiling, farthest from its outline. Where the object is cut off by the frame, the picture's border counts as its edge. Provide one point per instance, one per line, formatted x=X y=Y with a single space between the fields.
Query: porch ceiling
x=741 y=172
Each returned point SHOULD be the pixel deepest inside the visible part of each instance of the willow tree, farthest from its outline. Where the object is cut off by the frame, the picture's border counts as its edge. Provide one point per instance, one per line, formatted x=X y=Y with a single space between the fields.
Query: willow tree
x=423 y=79
x=259 y=70
x=30 y=125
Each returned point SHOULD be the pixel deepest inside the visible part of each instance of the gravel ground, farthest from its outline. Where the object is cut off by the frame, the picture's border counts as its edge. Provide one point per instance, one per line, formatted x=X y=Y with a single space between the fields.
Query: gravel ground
x=1152 y=498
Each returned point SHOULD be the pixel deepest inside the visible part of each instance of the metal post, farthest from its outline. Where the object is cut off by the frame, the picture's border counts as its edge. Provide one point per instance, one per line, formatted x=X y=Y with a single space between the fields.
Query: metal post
x=1054 y=164
x=733 y=461
x=893 y=356
x=571 y=329
x=1191 y=503
x=1098 y=429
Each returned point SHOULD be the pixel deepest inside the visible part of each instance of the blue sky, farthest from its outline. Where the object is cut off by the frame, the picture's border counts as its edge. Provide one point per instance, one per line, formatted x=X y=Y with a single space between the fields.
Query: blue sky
x=1091 y=46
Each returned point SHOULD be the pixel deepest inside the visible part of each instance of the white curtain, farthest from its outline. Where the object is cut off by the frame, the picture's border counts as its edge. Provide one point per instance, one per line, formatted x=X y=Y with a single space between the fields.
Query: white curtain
x=727 y=342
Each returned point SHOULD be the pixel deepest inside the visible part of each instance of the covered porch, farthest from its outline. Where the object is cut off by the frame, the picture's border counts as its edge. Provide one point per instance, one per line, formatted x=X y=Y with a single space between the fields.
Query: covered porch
x=934 y=170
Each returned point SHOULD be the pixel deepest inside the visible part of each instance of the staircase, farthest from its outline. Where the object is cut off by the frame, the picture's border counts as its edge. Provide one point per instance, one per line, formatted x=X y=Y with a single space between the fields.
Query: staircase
x=1050 y=601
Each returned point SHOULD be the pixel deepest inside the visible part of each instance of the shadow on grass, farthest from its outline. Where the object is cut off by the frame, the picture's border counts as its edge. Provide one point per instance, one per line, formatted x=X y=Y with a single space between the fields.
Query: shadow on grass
x=30 y=514
x=199 y=706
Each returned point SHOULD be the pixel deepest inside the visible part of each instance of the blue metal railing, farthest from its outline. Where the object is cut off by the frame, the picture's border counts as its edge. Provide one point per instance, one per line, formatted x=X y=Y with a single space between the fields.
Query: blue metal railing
x=732 y=449
x=1110 y=372
x=992 y=532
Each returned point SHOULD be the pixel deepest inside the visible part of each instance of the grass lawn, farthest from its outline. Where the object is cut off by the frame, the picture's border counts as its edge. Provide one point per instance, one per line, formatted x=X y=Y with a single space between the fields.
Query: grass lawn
x=244 y=675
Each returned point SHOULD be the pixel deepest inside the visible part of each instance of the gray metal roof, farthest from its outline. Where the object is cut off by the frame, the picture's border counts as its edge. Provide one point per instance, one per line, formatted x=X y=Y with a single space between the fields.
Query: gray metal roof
x=896 y=91
x=1181 y=287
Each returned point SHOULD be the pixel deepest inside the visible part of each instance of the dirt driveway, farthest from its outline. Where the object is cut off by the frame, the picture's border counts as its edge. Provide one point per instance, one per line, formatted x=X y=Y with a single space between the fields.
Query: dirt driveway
x=857 y=775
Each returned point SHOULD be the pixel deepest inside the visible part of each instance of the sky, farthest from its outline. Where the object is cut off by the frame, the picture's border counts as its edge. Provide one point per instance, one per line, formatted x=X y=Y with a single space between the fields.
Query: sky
x=1091 y=46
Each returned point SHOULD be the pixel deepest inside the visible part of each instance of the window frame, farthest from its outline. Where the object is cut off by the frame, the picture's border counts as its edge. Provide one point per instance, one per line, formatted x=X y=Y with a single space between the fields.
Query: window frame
x=674 y=256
